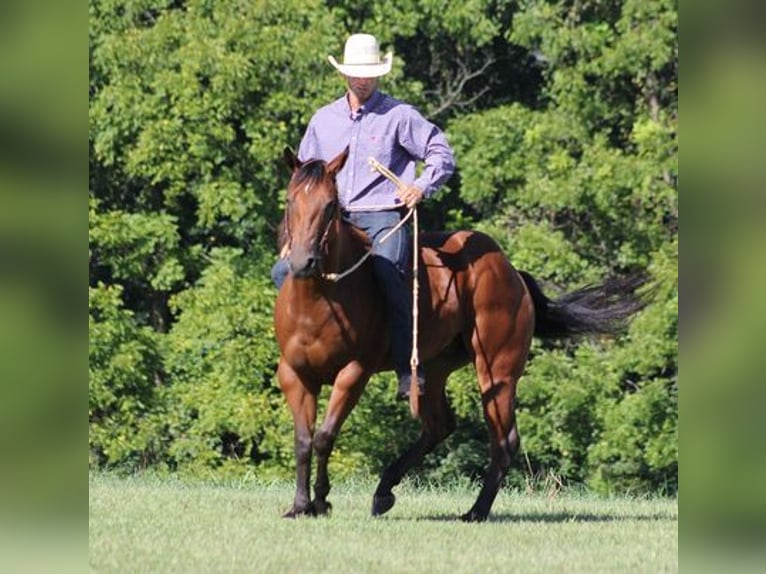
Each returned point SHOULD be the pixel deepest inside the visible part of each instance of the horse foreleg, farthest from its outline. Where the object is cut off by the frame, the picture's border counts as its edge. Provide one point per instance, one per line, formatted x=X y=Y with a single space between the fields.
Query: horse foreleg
x=302 y=501
x=438 y=423
x=345 y=394
x=384 y=499
x=302 y=404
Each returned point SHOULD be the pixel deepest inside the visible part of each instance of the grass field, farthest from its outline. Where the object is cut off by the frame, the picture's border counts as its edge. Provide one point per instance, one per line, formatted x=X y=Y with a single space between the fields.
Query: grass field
x=167 y=525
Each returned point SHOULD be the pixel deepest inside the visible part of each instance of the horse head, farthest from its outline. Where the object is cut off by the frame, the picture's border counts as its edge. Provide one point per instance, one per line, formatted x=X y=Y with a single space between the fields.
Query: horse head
x=312 y=213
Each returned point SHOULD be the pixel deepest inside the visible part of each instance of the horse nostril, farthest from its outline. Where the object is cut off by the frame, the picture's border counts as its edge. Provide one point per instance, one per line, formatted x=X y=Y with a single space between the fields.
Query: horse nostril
x=303 y=266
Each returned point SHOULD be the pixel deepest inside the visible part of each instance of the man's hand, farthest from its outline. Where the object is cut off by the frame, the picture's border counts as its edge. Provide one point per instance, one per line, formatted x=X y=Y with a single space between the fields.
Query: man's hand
x=410 y=195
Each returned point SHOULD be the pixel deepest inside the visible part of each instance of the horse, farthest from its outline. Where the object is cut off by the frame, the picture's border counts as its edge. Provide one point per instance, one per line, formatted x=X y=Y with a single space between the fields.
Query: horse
x=474 y=305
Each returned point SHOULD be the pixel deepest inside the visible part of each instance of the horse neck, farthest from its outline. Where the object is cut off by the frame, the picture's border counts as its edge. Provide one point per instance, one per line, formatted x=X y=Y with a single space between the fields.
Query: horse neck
x=344 y=249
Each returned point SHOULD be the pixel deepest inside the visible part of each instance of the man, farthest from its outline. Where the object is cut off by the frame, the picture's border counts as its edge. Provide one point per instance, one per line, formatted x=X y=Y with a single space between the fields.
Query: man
x=373 y=124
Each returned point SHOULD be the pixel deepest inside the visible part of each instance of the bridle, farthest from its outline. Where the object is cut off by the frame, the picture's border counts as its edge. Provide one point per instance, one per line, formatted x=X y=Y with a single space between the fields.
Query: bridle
x=330 y=214
x=324 y=238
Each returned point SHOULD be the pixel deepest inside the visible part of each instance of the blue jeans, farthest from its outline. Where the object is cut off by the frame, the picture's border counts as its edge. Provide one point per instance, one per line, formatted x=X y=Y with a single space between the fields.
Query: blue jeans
x=390 y=264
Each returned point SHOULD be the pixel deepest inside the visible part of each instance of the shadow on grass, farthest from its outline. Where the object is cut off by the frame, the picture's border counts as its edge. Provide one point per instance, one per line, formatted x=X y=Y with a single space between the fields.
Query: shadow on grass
x=550 y=517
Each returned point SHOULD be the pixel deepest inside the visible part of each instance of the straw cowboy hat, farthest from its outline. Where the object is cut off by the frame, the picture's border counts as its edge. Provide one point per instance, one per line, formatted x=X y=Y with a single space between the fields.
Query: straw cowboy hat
x=361 y=58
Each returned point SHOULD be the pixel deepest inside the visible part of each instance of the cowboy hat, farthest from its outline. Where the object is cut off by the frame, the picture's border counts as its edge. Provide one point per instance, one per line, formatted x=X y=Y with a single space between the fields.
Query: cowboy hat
x=361 y=58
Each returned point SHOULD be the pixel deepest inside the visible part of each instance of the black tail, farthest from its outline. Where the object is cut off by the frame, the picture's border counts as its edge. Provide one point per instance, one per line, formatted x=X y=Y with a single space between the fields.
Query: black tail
x=603 y=308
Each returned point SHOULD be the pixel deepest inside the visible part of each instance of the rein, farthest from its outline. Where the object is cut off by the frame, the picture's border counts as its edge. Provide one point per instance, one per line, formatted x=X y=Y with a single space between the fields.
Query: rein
x=383 y=170
x=335 y=277
x=414 y=361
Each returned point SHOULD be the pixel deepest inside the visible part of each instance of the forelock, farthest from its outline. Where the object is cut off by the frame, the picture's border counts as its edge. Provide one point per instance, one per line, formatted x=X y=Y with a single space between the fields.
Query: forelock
x=310 y=172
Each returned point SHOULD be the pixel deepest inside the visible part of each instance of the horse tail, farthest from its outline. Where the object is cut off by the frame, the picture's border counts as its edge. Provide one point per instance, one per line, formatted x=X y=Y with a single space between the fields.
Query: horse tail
x=604 y=308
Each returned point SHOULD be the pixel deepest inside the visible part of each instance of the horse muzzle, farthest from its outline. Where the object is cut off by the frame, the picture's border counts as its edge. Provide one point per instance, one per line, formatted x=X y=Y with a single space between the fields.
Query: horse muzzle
x=304 y=263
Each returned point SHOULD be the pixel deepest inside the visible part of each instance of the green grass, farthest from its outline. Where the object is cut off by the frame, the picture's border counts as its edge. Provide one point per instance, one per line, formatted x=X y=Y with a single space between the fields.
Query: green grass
x=167 y=525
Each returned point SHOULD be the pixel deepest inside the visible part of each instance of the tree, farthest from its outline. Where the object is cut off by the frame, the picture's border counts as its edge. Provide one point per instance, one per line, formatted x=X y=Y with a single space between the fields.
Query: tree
x=563 y=116
x=581 y=187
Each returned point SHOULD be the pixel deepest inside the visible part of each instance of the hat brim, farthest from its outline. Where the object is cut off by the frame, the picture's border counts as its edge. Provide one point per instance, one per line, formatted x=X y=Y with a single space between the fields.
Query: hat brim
x=364 y=70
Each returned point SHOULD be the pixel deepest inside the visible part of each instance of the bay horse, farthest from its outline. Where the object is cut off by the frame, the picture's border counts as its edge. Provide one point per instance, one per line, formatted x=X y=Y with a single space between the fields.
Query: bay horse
x=473 y=307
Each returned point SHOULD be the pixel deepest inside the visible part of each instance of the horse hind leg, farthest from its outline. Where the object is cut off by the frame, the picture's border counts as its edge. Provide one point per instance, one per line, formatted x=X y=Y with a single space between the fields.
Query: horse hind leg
x=502 y=452
x=500 y=344
x=438 y=423
x=498 y=374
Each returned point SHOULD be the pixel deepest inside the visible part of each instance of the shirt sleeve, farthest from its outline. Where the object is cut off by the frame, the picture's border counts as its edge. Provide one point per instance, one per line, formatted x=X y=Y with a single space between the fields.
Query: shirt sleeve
x=426 y=142
x=309 y=148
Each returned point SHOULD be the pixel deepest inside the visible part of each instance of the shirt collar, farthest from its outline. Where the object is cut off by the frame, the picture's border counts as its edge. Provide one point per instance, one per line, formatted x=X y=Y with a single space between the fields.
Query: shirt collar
x=366 y=107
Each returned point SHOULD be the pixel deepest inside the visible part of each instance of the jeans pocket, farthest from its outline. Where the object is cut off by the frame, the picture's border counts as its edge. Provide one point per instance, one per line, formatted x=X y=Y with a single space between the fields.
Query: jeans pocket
x=396 y=248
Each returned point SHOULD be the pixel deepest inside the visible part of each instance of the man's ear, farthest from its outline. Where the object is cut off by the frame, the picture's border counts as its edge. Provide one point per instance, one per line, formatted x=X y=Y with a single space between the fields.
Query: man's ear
x=337 y=163
x=291 y=159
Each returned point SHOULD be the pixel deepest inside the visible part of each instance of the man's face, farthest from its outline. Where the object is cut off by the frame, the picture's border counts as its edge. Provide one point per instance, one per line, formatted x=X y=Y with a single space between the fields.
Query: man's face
x=362 y=87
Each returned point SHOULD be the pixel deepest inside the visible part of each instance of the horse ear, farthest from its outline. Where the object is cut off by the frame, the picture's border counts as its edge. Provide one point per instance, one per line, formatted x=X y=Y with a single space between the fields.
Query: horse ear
x=337 y=164
x=291 y=159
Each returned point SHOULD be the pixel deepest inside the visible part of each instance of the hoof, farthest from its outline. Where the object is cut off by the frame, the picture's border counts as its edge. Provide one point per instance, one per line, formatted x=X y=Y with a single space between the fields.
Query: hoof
x=298 y=512
x=473 y=516
x=382 y=503
x=322 y=508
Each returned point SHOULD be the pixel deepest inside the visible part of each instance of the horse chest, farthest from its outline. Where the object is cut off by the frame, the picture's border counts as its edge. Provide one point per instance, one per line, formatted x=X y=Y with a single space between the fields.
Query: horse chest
x=320 y=335
x=319 y=342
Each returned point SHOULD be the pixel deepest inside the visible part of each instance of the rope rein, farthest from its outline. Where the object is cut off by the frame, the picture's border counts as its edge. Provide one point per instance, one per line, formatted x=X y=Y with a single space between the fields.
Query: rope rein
x=338 y=276
x=414 y=360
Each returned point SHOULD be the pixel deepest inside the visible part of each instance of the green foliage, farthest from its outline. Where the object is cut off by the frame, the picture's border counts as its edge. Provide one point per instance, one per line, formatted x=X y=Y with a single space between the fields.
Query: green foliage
x=138 y=247
x=124 y=362
x=192 y=107
x=378 y=428
x=224 y=410
x=563 y=118
x=638 y=447
x=558 y=401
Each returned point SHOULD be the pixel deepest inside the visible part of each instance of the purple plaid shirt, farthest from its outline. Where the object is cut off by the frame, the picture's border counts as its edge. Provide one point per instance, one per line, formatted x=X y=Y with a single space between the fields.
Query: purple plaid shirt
x=389 y=130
